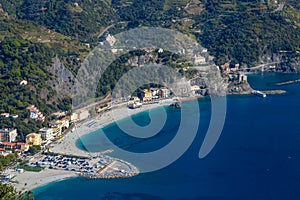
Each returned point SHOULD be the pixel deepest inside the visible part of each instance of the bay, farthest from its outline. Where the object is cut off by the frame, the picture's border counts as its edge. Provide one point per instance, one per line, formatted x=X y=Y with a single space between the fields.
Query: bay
x=256 y=157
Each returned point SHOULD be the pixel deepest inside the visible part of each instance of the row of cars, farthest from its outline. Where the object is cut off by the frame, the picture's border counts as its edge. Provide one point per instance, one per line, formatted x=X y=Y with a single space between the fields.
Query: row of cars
x=72 y=163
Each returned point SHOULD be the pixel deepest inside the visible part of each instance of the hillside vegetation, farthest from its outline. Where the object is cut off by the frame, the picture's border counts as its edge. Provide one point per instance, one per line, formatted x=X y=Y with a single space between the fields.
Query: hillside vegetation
x=33 y=32
x=245 y=32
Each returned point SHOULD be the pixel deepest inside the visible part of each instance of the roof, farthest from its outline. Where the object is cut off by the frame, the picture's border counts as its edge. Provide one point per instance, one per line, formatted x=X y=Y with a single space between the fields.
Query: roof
x=45 y=129
x=55 y=122
x=4 y=114
x=12 y=143
x=33 y=135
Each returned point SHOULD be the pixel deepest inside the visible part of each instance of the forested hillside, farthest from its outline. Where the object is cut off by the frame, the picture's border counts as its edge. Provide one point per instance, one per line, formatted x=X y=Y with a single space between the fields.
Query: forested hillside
x=33 y=32
x=243 y=34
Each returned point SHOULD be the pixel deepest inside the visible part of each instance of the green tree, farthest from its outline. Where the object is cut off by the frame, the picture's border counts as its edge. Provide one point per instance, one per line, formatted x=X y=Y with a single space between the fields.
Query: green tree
x=34 y=149
x=8 y=192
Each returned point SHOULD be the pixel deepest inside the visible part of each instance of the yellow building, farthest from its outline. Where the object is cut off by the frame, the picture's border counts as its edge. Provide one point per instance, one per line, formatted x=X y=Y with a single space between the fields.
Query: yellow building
x=59 y=126
x=74 y=117
x=33 y=139
x=147 y=95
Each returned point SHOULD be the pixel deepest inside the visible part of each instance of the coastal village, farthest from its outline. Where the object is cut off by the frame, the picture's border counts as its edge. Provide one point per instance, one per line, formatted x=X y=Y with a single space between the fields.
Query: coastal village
x=95 y=166
x=99 y=165
x=56 y=128
x=92 y=166
x=55 y=121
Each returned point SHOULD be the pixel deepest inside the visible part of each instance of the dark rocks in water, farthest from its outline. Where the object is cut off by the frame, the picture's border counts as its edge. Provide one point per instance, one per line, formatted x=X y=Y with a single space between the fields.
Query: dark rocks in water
x=175 y=105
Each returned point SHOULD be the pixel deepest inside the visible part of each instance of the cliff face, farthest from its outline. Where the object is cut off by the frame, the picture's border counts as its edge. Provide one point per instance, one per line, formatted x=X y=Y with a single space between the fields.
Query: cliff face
x=64 y=79
x=239 y=88
x=287 y=62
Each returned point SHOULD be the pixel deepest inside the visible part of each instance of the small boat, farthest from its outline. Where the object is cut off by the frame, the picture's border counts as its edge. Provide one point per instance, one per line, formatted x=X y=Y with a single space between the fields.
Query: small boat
x=259 y=93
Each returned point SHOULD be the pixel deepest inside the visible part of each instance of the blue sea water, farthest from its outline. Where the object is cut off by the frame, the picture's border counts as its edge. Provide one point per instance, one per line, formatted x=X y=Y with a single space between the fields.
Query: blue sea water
x=256 y=157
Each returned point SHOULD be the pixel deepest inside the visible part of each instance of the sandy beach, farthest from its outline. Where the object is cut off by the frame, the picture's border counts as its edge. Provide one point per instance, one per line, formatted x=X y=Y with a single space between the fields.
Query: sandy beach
x=67 y=145
x=29 y=180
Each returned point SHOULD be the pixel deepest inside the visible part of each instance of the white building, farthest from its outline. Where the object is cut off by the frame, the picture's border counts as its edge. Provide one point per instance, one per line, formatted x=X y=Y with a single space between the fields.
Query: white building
x=47 y=133
x=195 y=87
x=8 y=135
x=110 y=39
x=204 y=50
x=198 y=59
x=24 y=82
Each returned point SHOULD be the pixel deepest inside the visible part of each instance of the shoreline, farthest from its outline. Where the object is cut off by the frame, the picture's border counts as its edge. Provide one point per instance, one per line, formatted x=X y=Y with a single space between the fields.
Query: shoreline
x=24 y=182
x=67 y=144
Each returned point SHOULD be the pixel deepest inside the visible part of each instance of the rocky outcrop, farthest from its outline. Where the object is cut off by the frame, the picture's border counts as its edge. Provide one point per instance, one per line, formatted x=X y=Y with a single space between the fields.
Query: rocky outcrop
x=239 y=88
x=288 y=62
x=63 y=78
